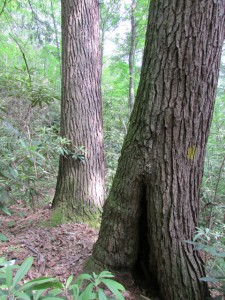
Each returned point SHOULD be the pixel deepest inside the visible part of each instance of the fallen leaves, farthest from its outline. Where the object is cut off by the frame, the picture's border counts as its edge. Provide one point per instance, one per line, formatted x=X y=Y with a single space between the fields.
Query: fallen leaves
x=58 y=251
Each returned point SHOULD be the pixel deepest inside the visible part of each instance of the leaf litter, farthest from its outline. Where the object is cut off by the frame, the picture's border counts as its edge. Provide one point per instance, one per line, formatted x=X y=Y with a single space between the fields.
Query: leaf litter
x=58 y=251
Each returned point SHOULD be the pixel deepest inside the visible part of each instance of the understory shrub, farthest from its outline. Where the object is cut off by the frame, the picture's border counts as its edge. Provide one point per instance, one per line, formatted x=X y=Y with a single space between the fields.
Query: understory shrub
x=84 y=287
x=211 y=244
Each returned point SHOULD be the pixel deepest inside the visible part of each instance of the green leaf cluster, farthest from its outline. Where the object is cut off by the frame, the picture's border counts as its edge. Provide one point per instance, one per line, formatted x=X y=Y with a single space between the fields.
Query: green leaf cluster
x=49 y=288
x=212 y=243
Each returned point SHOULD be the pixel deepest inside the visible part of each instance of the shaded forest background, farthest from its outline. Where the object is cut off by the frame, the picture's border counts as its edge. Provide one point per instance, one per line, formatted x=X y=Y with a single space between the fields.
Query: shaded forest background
x=30 y=92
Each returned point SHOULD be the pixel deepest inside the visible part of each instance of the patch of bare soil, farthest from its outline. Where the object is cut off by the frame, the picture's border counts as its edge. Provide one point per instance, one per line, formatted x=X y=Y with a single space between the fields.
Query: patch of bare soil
x=58 y=251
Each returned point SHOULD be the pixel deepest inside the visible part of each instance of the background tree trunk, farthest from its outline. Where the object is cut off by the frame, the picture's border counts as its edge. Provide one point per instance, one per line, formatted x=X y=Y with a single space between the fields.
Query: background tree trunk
x=80 y=185
x=153 y=204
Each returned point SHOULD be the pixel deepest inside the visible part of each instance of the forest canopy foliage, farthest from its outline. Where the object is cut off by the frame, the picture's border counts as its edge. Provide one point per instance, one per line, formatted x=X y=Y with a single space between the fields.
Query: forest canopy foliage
x=30 y=87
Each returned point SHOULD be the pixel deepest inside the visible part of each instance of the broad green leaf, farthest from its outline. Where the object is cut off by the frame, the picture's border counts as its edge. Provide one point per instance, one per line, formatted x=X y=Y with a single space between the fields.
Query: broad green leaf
x=200 y=246
x=220 y=254
x=106 y=274
x=101 y=295
x=30 y=160
x=37 y=294
x=20 y=295
x=53 y=298
x=114 y=284
x=13 y=172
x=2 y=260
x=114 y=287
x=3 y=238
x=69 y=280
x=39 y=154
x=209 y=279
x=4 y=195
x=190 y=242
x=76 y=290
x=23 y=144
x=87 y=293
x=3 y=109
x=22 y=271
x=2 y=275
x=41 y=283
x=55 y=292
x=82 y=277
x=9 y=276
x=4 y=175
x=46 y=285
x=6 y=210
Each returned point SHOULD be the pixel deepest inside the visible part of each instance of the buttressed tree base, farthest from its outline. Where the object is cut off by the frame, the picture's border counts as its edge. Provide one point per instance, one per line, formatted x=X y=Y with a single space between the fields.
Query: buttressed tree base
x=153 y=204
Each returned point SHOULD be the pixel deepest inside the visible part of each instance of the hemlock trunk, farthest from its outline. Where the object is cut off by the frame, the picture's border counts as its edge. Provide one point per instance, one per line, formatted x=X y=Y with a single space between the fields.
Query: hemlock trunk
x=80 y=184
x=153 y=204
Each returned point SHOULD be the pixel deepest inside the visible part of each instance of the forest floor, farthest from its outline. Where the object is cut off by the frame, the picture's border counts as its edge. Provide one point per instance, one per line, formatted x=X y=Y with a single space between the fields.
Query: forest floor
x=58 y=251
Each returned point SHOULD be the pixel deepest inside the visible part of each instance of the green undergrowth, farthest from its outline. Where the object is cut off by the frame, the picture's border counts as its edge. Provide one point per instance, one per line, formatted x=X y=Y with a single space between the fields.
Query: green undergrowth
x=84 y=287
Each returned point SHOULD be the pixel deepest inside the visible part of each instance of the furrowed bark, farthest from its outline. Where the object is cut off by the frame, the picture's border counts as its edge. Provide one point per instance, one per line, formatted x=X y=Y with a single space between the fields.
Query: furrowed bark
x=80 y=184
x=153 y=205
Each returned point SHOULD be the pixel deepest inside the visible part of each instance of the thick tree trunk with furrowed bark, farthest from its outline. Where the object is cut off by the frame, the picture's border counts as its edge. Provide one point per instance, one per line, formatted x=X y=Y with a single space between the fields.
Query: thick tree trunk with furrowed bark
x=80 y=184
x=153 y=204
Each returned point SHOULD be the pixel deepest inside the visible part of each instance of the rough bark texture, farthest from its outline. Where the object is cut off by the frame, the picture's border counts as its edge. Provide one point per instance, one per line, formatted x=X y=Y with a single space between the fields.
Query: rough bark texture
x=131 y=55
x=80 y=185
x=153 y=205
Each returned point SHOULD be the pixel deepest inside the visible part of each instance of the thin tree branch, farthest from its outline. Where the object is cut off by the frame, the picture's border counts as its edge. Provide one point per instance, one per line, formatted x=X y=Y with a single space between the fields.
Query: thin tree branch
x=218 y=179
x=36 y=19
x=215 y=194
x=24 y=56
x=3 y=8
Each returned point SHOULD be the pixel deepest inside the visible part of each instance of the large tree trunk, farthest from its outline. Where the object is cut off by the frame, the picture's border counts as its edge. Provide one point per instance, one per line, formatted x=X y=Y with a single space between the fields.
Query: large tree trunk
x=80 y=184
x=153 y=204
